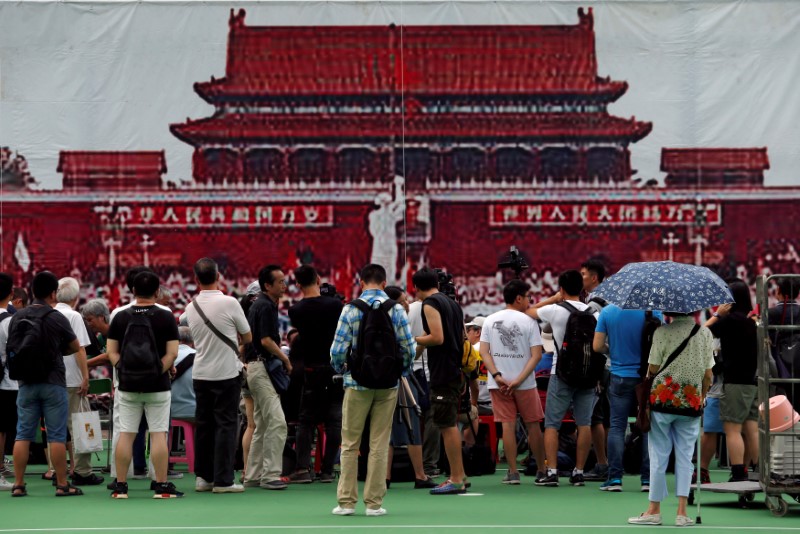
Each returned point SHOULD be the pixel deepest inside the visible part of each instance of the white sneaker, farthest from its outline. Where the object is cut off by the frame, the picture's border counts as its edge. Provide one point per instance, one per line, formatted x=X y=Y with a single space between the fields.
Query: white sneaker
x=5 y=485
x=202 y=485
x=7 y=469
x=343 y=511
x=376 y=512
x=233 y=488
x=683 y=521
x=645 y=519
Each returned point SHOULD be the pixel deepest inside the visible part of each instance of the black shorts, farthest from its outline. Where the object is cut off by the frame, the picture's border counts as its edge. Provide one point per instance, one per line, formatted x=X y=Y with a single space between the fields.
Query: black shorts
x=8 y=411
x=444 y=403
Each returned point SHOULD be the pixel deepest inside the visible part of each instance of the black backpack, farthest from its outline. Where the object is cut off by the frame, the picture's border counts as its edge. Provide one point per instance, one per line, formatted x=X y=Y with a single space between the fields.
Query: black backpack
x=139 y=363
x=29 y=355
x=578 y=365
x=651 y=324
x=3 y=317
x=376 y=362
x=599 y=303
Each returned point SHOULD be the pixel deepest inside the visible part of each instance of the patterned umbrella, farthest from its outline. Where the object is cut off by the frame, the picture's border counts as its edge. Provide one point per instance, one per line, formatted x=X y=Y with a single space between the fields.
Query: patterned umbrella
x=664 y=286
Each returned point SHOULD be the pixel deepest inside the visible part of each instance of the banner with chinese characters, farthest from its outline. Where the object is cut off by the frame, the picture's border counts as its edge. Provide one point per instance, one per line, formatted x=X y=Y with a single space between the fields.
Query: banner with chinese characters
x=605 y=214
x=219 y=215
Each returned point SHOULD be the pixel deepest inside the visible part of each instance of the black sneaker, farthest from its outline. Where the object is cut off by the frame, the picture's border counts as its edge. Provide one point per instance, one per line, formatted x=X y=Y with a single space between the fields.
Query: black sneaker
x=112 y=485
x=166 y=490
x=301 y=477
x=577 y=479
x=326 y=478
x=139 y=474
x=90 y=480
x=427 y=483
x=549 y=480
x=120 y=490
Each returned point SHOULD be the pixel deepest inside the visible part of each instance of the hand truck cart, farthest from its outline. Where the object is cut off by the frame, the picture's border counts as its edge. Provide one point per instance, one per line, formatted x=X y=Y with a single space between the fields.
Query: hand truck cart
x=778 y=432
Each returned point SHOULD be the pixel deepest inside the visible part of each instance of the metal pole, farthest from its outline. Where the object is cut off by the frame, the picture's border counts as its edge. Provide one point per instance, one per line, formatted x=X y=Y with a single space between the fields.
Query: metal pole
x=699 y=520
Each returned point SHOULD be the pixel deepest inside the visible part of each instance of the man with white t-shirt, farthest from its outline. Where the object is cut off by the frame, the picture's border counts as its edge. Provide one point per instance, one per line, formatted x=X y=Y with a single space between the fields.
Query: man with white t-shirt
x=560 y=395
x=511 y=346
x=77 y=377
x=8 y=387
x=218 y=327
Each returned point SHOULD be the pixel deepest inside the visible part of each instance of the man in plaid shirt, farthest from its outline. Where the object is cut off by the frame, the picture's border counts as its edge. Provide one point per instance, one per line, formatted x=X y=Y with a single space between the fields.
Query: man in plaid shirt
x=360 y=402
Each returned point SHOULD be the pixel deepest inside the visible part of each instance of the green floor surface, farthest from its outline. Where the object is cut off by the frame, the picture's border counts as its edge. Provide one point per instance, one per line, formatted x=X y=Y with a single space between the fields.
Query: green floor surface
x=489 y=506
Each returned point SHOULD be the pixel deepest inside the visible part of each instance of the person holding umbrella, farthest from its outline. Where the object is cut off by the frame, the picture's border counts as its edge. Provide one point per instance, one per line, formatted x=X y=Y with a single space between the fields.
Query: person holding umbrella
x=676 y=402
x=680 y=362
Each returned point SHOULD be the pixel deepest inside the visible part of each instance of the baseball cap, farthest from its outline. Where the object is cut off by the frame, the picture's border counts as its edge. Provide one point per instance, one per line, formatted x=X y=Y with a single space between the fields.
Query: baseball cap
x=477 y=321
x=547 y=341
x=253 y=288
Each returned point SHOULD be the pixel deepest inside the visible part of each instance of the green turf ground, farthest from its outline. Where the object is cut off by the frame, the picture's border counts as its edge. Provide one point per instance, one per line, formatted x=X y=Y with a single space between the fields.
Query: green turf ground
x=490 y=506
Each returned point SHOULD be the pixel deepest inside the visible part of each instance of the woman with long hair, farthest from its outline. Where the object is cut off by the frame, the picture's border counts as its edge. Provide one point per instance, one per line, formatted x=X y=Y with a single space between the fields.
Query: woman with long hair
x=739 y=402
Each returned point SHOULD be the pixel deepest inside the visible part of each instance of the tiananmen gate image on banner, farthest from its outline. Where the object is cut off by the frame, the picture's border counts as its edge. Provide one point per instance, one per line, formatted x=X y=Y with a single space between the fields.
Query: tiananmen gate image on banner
x=406 y=134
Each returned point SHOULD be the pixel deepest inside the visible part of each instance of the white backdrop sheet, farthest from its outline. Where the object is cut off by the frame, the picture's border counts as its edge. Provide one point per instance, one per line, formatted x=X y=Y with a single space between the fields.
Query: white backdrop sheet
x=113 y=75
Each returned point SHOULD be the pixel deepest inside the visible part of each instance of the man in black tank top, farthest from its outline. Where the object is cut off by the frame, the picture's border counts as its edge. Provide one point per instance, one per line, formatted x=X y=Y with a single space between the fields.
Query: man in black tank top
x=443 y=322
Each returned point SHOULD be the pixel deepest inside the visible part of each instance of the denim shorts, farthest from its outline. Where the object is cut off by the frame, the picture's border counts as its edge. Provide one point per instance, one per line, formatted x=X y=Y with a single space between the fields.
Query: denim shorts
x=559 y=398
x=711 y=420
x=35 y=401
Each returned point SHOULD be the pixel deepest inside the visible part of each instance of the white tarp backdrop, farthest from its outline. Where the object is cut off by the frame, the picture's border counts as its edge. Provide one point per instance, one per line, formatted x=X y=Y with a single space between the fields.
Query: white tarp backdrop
x=113 y=76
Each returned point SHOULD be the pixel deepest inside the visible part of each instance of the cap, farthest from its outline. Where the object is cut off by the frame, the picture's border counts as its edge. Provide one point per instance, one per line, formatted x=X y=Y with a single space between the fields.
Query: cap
x=254 y=288
x=547 y=341
x=477 y=321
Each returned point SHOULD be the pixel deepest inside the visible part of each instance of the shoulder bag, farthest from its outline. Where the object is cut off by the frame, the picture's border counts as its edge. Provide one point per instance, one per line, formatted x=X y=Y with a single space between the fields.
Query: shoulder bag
x=234 y=346
x=643 y=389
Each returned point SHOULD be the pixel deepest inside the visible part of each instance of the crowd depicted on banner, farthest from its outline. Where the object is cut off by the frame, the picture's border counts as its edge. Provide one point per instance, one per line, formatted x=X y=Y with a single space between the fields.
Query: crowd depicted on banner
x=478 y=295
x=559 y=366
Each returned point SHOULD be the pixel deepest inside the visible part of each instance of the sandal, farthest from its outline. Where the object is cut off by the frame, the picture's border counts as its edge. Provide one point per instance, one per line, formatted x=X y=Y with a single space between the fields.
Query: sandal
x=449 y=488
x=68 y=491
x=52 y=475
x=21 y=489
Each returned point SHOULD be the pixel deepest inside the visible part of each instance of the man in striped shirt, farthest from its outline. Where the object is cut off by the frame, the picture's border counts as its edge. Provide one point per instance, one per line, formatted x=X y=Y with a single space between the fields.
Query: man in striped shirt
x=361 y=402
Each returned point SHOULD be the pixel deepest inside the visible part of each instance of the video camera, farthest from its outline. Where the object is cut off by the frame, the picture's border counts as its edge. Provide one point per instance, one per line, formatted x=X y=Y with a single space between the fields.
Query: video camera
x=446 y=284
x=329 y=290
x=515 y=262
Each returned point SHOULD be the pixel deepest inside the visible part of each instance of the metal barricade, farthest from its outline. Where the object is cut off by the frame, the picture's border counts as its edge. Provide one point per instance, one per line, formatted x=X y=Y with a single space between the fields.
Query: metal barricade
x=779 y=451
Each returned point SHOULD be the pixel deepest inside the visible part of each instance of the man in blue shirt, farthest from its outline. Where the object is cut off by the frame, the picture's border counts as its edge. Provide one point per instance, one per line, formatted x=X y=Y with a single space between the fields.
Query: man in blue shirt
x=619 y=333
x=360 y=402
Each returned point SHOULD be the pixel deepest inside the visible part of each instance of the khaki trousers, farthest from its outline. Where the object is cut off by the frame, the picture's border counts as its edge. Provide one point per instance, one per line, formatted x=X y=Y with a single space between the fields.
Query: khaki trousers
x=265 y=460
x=378 y=405
x=77 y=404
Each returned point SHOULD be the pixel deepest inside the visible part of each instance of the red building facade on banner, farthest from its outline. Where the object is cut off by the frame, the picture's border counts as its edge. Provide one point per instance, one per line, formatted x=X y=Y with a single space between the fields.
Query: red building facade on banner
x=301 y=106
x=418 y=145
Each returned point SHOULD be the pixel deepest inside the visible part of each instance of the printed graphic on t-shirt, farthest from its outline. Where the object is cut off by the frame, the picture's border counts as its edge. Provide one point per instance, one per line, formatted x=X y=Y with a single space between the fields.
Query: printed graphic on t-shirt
x=508 y=334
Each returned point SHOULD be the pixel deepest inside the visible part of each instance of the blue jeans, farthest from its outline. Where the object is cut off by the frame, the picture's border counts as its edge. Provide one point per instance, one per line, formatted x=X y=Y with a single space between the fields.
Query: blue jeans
x=35 y=401
x=670 y=432
x=621 y=399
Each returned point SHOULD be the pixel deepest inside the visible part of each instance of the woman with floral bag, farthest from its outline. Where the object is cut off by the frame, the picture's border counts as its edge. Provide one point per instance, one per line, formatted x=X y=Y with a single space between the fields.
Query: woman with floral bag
x=680 y=361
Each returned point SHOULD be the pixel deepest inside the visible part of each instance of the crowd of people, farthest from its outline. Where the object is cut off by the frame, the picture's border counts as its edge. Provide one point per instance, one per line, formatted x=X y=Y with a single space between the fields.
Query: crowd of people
x=417 y=374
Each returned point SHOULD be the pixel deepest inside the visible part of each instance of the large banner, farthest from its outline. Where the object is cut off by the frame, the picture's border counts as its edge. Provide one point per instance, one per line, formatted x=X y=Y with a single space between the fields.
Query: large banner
x=409 y=134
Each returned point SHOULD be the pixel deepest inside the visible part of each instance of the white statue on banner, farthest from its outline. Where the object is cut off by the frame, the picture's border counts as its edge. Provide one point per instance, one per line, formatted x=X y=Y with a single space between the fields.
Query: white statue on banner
x=383 y=228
